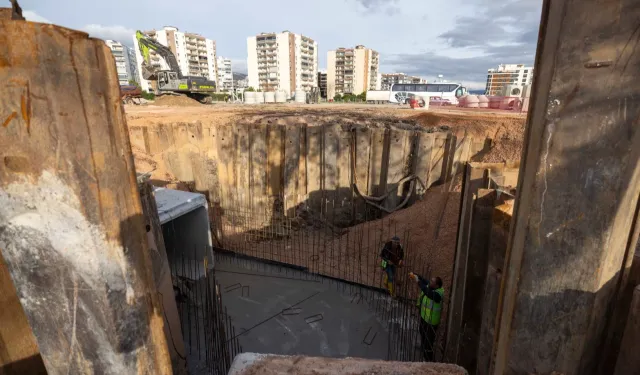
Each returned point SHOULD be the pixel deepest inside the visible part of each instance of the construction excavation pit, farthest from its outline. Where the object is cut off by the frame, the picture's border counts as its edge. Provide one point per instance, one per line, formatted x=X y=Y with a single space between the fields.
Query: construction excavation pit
x=300 y=203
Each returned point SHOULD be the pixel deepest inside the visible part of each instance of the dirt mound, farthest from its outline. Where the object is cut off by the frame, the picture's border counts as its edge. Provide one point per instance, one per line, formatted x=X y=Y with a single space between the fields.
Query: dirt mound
x=505 y=131
x=176 y=101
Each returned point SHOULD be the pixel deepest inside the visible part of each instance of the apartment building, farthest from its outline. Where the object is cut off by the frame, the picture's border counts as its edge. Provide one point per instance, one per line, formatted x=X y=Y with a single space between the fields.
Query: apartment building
x=225 y=74
x=352 y=71
x=322 y=83
x=196 y=55
x=389 y=79
x=507 y=74
x=282 y=61
x=121 y=55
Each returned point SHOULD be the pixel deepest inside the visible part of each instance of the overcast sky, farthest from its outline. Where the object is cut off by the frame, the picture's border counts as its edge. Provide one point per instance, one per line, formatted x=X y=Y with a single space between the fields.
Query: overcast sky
x=460 y=39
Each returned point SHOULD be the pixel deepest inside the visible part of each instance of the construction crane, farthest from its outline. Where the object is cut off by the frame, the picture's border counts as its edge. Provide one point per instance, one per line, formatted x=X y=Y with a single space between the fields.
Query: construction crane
x=171 y=81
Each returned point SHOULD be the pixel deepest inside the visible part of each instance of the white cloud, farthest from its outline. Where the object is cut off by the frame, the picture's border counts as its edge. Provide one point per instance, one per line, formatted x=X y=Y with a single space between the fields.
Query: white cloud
x=32 y=16
x=118 y=33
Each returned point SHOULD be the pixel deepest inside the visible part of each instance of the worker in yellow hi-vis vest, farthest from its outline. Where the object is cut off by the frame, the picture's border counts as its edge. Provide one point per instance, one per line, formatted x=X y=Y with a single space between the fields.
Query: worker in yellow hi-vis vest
x=430 y=304
x=392 y=256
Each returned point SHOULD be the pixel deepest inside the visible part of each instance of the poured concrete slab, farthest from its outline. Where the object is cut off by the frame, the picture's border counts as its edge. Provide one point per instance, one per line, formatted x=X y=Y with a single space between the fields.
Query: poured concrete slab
x=253 y=363
x=289 y=314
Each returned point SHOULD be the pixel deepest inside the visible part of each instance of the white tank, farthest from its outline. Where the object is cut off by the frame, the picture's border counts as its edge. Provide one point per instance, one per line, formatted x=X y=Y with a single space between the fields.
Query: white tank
x=472 y=101
x=259 y=97
x=301 y=96
x=281 y=97
x=483 y=101
x=250 y=97
x=494 y=102
x=269 y=97
x=462 y=100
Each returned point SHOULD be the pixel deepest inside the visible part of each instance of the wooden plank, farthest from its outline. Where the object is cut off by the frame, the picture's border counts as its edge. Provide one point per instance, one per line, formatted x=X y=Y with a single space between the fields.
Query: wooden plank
x=437 y=159
x=472 y=182
x=579 y=187
x=275 y=158
x=422 y=162
x=291 y=168
x=71 y=223
x=226 y=147
x=242 y=171
x=399 y=150
x=363 y=159
x=258 y=167
x=628 y=359
x=377 y=164
x=314 y=166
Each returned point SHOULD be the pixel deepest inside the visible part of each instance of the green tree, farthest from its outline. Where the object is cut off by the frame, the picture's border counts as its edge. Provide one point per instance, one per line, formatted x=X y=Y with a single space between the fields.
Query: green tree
x=250 y=89
x=363 y=96
x=133 y=83
x=148 y=95
x=337 y=98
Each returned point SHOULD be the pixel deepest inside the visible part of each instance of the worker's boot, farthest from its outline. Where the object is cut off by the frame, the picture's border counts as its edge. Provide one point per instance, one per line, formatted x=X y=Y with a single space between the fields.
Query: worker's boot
x=385 y=279
x=390 y=287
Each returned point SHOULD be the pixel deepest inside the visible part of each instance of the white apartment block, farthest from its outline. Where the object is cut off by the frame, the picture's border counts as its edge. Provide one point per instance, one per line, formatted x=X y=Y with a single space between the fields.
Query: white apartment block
x=225 y=74
x=389 y=79
x=196 y=55
x=352 y=71
x=507 y=74
x=120 y=54
x=282 y=61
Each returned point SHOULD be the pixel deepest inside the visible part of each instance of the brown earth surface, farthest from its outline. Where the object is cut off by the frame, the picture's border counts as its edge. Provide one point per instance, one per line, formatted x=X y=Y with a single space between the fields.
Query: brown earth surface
x=175 y=101
x=504 y=128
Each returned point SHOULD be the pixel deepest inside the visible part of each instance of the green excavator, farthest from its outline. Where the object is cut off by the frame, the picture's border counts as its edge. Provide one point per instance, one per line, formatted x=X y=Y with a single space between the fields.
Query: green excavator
x=171 y=81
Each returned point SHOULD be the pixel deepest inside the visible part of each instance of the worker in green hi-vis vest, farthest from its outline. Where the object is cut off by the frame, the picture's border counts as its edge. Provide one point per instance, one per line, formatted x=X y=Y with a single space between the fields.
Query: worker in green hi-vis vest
x=392 y=256
x=430 y=303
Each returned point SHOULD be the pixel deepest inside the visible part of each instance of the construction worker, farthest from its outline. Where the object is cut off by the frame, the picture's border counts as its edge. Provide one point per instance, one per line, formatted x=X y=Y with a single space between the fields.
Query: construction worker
x=392 y=256
x=430 y=304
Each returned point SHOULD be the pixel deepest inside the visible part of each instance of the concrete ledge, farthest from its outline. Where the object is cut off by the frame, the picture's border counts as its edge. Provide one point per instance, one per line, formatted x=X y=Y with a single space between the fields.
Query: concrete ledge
x=267 y=364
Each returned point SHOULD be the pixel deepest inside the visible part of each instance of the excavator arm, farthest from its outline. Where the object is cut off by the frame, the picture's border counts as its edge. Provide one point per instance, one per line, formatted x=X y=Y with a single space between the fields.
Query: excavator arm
x=146 y=44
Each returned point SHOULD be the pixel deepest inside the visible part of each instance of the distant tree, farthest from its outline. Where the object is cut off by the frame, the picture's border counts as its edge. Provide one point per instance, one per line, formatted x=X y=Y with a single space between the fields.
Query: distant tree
x=148 y=95
x=337 y=98
x=362 y=97
x=133 y=83
x=250 y=89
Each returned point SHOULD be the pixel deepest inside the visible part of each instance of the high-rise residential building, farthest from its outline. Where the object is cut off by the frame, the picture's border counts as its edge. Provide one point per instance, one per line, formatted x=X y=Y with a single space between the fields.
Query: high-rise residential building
x=322 y=83
x=121 y=55
x=389 y=79
x=352 y=71
x=282 y=61
x=507 y=74
x=195 y=54
x=133 y=65
x=225 y=74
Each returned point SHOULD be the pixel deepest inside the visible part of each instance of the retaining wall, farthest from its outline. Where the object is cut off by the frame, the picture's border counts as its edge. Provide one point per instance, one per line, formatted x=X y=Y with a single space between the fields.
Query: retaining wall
x=262 y=168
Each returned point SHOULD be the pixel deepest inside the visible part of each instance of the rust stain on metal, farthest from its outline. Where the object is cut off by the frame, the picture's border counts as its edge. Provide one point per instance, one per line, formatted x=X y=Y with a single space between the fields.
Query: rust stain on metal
x=8 y=119
x=25 y=107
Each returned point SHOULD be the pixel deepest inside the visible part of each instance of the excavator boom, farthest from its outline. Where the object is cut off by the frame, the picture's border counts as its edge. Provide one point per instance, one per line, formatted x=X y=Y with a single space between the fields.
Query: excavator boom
x=146 y=44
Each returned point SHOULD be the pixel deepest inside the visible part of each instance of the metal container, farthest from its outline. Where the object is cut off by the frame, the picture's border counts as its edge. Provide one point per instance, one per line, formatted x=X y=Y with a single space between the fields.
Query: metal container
x=259 y=97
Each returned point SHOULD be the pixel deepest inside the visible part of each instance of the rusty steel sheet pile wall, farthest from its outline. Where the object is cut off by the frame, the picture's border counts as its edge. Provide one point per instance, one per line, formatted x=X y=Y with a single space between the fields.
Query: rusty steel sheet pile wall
x=72 y=232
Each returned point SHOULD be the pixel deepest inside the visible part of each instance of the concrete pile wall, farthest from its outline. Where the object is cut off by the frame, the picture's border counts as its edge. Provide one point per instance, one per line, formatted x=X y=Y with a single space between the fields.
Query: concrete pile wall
x=261 y=168
x=487 y=206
